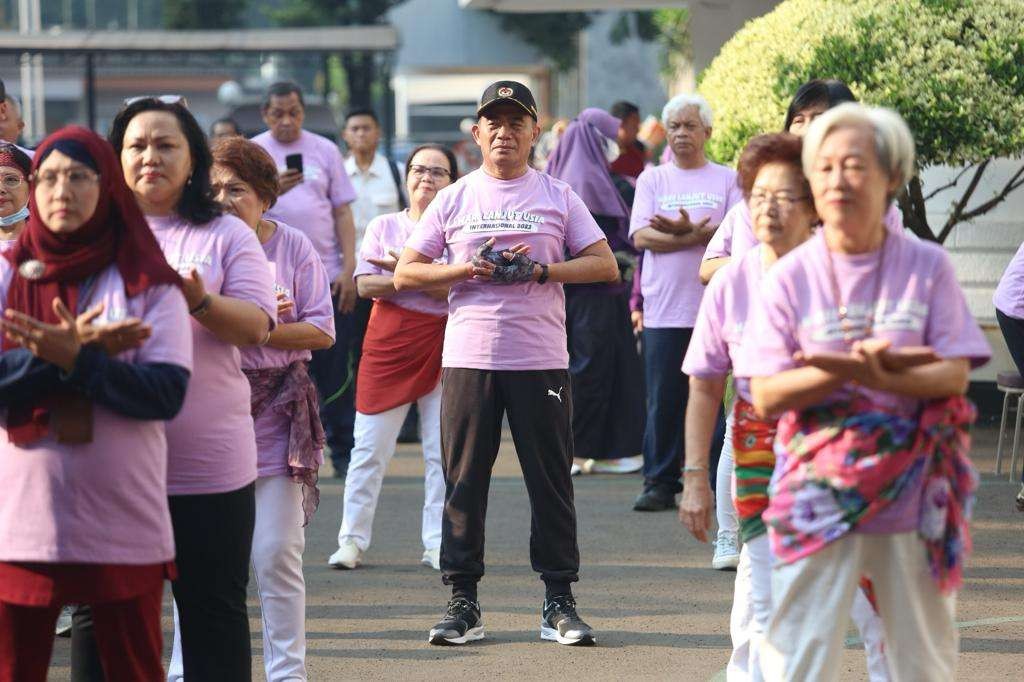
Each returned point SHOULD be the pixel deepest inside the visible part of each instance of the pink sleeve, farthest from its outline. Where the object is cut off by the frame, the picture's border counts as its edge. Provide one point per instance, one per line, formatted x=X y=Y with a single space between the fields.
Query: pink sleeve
x=707 y=356
x=581 y=230
x=428 y=236
x=311 y=291
x=370 y=248
x=171 y=340
x=770 y=333
x=643 y=203
x=734 y=195
x=340 y=188
x=951 y=330
x=247 y=274
x=720 y=245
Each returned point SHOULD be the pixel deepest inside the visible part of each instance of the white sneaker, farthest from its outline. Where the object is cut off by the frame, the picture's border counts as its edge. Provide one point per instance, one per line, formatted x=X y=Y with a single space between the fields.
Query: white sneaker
x=623 y=465
x=432 y=558
x=348 y=556
x=727 y=551
x=63 y=628
x=575 y=469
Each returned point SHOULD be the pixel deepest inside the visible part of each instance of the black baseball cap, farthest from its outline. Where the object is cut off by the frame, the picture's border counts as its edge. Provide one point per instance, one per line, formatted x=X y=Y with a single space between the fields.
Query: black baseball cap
x=508 y=91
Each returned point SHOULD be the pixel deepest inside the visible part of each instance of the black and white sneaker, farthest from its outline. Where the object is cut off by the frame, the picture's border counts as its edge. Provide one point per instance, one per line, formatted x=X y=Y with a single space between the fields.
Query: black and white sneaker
x=560 y=623
x=461 y=624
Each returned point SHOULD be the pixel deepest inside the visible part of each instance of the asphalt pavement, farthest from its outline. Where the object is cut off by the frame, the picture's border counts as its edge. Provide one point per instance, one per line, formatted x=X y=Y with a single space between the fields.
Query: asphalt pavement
x=646 y=587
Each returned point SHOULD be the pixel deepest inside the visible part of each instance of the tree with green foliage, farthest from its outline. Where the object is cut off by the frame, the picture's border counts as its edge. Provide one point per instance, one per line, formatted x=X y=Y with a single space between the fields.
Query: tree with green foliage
x=553 y=34
x=954 y=69
x=203 y=14
x=361 y=68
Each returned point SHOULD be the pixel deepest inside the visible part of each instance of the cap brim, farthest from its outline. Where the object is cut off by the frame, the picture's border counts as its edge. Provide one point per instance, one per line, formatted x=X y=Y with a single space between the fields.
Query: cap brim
x=505 y=100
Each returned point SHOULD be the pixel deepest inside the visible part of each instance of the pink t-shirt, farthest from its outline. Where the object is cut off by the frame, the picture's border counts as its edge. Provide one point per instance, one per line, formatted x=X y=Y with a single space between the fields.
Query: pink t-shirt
x=517 y=326
x=1009 y=296
x=104 y=501
x=211 y=445
x=300 y=276
x=735 y=236
x=309 y=206
x=669 y=281
x=390 y=232
x=919 y=303
x=724 y=310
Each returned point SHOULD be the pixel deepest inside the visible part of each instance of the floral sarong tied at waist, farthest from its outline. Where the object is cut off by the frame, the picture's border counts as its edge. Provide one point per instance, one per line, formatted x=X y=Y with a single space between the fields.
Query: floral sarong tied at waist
x=752 y=439
x=290 y=391
x=841 y=464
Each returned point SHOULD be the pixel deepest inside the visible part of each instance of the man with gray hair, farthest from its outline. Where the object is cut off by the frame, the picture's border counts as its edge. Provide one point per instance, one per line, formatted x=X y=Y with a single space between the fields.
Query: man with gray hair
x=677 y=208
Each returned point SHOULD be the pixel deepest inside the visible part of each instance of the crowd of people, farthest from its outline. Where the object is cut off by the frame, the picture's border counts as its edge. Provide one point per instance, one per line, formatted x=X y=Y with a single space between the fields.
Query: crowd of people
x=190 y=322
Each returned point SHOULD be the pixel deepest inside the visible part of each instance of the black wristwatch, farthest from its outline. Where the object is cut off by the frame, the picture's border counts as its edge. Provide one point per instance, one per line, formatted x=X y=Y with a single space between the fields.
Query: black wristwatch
x=202 y=308
x=543 y=273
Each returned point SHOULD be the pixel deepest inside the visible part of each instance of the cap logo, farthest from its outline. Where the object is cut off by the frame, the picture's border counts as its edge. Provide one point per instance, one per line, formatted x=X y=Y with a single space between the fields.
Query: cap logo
x=504 y=92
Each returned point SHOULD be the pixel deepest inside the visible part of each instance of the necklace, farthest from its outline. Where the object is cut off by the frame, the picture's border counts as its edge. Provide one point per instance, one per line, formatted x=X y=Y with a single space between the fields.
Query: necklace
x=841 y=307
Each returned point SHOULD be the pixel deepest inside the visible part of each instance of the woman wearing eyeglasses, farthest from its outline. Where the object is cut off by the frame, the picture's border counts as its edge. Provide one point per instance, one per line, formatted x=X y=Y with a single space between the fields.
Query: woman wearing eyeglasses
x=211 y=443
x=289 y=436
x=83 y=456
x=15 y=166
x=401 y=365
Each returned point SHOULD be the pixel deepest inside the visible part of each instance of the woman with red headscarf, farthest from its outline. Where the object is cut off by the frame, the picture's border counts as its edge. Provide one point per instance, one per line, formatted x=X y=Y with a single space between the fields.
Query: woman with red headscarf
x=96 y=356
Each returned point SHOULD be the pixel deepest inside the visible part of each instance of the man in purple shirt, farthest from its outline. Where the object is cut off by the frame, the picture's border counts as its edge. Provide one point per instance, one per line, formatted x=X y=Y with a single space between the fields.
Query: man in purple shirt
x=315 y=198
x=507 y=229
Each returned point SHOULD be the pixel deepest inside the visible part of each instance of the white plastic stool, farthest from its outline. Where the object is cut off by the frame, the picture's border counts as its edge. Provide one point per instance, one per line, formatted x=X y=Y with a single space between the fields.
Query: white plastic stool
x=1011 y=384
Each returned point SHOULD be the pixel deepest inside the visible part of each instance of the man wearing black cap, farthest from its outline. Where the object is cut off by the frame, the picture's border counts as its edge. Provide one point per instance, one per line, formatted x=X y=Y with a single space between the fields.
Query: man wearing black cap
x=507 y=228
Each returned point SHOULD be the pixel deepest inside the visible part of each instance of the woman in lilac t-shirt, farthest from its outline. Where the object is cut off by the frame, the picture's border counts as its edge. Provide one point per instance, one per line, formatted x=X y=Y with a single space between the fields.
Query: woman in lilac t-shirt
x=211 y=443
x=83 y=450
x=289 y=436
x=863 y=341
x=401 y=365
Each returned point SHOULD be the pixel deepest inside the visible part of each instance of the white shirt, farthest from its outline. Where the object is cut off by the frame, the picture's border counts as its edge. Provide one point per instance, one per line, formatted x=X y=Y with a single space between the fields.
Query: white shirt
x=376 y=193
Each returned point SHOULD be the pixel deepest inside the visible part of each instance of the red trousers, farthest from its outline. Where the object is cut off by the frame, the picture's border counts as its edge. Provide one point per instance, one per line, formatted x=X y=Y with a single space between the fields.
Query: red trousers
x=127 y=633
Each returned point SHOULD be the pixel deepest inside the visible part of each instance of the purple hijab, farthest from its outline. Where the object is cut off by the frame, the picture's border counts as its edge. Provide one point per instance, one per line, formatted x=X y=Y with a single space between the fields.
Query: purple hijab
x=579 y=160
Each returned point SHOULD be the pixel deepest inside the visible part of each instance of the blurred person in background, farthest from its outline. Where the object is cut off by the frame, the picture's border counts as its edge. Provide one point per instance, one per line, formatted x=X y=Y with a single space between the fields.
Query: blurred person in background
x=224 y=128
x=401 y=367
x=15 y=168
x=318 y=201
x=632 y=156
x=607 y=375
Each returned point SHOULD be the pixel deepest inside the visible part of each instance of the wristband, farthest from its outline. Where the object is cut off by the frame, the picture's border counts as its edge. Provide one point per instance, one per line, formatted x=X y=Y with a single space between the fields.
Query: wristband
x=691 y=469
x=543 y=273
x=266 y=339
x=202 y=308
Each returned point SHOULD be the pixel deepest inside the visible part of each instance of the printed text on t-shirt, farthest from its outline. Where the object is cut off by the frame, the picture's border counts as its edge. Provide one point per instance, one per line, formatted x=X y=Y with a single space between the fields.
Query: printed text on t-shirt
x=498 y=221
x=690 y=201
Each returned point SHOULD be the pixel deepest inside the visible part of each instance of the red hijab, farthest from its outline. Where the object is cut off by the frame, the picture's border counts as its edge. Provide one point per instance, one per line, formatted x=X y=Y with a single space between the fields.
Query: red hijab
x=117 y=233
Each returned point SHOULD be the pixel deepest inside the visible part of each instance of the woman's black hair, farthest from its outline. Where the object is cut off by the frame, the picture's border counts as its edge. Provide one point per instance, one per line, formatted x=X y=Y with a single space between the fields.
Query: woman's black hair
x=448 y=154
x=196 y=204
x=829 y=93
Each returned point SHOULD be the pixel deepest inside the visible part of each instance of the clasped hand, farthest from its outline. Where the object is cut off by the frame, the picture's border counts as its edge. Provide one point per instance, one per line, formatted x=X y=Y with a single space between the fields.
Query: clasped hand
x=60 y=343
x=507 y=266
x=872 y=363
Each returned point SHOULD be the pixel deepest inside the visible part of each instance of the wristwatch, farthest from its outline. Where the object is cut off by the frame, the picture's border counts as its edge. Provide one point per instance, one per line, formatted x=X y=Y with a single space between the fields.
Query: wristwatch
x=543 y=273
x=202 y=308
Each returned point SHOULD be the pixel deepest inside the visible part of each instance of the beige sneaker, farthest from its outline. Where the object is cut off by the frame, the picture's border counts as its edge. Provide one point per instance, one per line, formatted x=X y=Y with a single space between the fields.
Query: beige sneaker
x=348 y=556
x=432 y=558
x=624 y=465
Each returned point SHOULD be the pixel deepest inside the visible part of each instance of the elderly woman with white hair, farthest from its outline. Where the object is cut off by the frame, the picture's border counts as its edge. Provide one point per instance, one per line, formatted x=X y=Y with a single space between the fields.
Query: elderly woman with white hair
x=863 y=342
x=677 y=207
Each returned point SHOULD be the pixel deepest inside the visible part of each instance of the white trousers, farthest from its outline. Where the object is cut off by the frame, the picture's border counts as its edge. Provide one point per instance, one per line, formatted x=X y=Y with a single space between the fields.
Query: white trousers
x=725 y=510
x=277 y=545
x=752 y=610
x=376 y=437
x=811 y=597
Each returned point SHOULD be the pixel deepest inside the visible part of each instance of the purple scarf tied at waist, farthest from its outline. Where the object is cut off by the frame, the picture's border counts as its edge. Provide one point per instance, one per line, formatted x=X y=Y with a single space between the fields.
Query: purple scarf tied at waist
x=290 y=391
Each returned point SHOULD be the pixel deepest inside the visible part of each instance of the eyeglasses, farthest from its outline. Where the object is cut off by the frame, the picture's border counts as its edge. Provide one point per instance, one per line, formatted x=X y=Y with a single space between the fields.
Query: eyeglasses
x=11 y=181
x=781 y=199
x=163 y=99
x=435 y=172
x=77 y=178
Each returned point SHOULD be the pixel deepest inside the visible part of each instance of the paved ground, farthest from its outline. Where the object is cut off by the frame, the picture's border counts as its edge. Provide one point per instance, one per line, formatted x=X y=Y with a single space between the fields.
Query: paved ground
x=646 y=587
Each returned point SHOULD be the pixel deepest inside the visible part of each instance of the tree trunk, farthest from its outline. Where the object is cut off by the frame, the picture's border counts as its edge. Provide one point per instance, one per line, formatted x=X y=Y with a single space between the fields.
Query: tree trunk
x=359 y=72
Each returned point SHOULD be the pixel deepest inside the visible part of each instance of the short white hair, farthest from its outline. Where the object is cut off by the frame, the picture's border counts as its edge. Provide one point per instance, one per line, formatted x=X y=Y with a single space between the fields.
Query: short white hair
x=894 y=143
x=680 y=102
